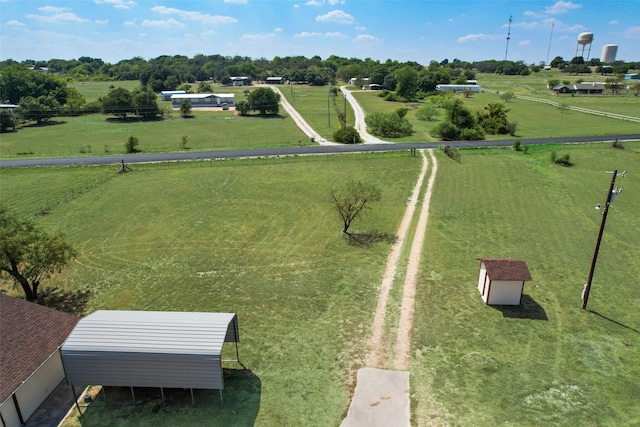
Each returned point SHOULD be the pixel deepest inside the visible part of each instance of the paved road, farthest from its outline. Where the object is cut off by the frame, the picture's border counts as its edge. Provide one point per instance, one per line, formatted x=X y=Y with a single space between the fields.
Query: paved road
x=289 y=151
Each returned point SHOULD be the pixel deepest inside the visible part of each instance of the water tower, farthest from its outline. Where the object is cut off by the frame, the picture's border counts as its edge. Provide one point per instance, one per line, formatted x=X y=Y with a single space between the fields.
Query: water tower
x=609 y=52
x=584 y=40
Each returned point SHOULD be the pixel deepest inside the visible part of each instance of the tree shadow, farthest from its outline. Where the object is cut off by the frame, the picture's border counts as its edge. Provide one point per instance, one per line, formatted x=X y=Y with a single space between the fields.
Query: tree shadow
x=45 y=124
x=72 y=302
x=614 y=321
x=365 y=240
x=114 y=405
x=528 y=309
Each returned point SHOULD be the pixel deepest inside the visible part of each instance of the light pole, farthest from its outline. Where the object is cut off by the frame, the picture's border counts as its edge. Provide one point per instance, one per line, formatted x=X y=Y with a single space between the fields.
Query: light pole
x=605 y=209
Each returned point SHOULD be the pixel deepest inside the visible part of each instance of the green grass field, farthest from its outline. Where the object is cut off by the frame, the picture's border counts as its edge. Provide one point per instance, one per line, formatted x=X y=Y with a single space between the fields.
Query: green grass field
x=548 y=362
x=260 y=238
x=256 y=237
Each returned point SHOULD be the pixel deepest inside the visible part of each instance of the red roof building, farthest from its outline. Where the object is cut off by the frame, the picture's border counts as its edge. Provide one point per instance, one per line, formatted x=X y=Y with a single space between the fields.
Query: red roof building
x=501 y=281
x=30 y=364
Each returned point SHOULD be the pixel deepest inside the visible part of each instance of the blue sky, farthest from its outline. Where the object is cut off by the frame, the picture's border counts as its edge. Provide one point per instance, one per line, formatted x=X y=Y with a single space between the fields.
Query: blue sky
x=418 y=31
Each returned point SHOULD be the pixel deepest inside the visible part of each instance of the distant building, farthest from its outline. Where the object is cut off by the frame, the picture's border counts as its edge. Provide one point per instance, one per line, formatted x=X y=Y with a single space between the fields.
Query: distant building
x=202 y=100
x=240 y=81
x=632 y=76
x=589 y=88
x=562 y=89
x=275 y=80
x=458 y=88
x=165 y=95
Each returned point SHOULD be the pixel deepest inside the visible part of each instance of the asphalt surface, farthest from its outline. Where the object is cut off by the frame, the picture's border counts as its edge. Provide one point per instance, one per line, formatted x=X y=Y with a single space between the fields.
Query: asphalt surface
x=290 y=151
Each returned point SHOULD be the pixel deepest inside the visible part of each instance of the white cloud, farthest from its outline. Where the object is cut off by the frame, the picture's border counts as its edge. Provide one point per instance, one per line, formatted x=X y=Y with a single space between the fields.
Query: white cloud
x=208 y=33
x=365 y=38
x=632 y=33
x=278 y=30
x=52 y=9
x=236 y=1
x=101 y=22
x=253 y=37
x=533 y=14
x=130 y=23
x=561 y=7
x=59 y=17
x=360 y=28
x=313 y=3
x=476 y=37
x=575 y=28
x=118 y=4
x=15 y=23
x=524 y=43
x=204 y=18
x=524 y=25
x=305 y=35
x=335 y=34
x=614 y=22
x=168 y=23
x=323 y=2
x=337 y=15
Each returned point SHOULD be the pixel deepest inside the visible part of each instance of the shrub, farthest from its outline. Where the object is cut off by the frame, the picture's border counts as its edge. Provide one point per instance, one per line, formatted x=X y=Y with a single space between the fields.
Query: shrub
x=184 y=141
x=517 y=145
x=564 y=160
x=426 y=112
x=347 y=135
x=446 y=131
x=185 y=108
x=617 y=144
x=132 y=145
x=392 y=97
x=243 y=107
x=471 y=134
x=388 y=125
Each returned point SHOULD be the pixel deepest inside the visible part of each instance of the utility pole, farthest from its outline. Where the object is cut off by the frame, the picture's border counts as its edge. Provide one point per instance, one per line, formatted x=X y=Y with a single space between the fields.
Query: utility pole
x=605 y=210
x=508 y=37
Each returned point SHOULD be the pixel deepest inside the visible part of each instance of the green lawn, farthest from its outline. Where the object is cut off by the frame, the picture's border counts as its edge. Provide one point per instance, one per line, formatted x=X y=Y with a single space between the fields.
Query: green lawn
x=534 y=119
x=318 y=107
x=92 y=90
x=257 y=237
x=548 y=362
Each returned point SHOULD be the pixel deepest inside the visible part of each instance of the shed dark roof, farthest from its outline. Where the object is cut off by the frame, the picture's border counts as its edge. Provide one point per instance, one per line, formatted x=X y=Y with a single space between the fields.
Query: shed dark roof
x=506 y=269
x=29 y=334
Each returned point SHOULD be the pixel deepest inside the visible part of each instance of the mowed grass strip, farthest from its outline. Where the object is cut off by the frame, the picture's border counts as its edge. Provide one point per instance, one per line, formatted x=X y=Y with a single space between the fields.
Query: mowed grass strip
x=547 y=362
x=534 y=119
x=256 y=237
x=318 y=107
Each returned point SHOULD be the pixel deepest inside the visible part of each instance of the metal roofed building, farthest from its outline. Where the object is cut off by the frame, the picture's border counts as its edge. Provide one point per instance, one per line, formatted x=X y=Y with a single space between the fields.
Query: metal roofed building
x=149 y=349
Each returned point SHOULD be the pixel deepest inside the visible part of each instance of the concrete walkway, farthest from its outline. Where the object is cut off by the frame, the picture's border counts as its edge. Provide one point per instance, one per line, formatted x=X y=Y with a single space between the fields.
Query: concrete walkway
x=381 y=399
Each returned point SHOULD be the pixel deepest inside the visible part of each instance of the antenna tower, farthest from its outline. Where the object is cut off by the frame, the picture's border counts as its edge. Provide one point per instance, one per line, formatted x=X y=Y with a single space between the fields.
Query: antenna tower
x=553 y=23
x=508 y=38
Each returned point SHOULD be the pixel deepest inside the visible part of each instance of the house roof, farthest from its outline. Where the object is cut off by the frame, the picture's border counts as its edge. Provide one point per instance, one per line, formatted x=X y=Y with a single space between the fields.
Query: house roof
x=558 y=87
x=506 y=269
x=588 y=86
x=29 y=334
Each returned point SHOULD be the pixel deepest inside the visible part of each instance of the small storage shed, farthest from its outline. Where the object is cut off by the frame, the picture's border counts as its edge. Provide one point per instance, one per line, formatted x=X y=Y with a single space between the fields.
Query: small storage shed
x=501 y=281
x=149 y=349
x=30 y=365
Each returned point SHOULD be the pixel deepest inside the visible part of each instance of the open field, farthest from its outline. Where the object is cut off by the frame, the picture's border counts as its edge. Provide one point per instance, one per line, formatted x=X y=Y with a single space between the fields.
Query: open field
x=259 y=237
x=534 y=119
x=256 y=237
x=548 y=362
x=318 y=108
x=92 y=90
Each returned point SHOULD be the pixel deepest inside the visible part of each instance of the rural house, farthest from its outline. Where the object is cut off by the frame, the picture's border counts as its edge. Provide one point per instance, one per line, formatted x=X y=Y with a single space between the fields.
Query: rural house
x=589 y=88
x=240 y=81
x=561 y=89
x=30 y=364
x=275 y=80
x=501 y=281
x=202 y=100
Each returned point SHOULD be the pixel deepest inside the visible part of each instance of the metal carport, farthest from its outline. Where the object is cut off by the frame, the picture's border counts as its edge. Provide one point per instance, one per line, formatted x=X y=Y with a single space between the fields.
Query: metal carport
x=149 y=349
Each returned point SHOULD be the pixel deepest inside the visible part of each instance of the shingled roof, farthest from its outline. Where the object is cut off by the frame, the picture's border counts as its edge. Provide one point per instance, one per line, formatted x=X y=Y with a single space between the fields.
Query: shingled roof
x=29 y=334
x=506 y=269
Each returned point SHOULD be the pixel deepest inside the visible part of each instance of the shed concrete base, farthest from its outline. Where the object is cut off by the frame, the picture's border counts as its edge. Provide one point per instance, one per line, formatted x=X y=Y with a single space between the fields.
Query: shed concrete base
x=381 y=399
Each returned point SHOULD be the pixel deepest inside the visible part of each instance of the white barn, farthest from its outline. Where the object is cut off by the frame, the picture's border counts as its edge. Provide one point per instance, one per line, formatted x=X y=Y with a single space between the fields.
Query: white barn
x=161 y=349
x=30 y=364
x=458 y=88
x=501 y=281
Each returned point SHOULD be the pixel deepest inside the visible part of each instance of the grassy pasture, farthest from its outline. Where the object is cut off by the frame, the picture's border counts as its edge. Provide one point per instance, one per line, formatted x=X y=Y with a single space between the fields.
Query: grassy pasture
x=549 y=362
x=535 y=120
x=318 y=108
x=257 y=237
x=92 y=90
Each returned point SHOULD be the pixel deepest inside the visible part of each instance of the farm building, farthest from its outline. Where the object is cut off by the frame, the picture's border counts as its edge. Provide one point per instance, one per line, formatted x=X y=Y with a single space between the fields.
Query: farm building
x=632 y=76
x=562 y=89
x=458 y=88
x=354 y=80
x=165 y=95
x=501 y=281
x=589 y=88
x=30 y=364
x=240 y=81
x=201 y=100
x=275 y=80
x=149 y=349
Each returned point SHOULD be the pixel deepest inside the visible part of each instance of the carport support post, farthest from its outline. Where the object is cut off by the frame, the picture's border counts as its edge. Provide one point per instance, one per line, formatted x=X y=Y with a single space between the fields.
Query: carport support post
x=193 y=400
x=162 y=394
x=75 y=399
x=221 y=399
x=134 y=397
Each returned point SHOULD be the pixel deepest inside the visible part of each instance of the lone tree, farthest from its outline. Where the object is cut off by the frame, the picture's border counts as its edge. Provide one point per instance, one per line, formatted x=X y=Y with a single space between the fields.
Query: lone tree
x=29 y=254
x=264 y=100
x=354 y=200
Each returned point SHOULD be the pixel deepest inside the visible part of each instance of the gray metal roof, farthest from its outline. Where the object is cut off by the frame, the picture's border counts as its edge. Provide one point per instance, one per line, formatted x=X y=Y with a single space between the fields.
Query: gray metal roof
x=149 y=348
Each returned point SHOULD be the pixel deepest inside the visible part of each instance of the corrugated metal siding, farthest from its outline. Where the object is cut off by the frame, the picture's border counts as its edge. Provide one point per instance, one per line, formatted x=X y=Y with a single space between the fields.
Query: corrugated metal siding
x=149 y=349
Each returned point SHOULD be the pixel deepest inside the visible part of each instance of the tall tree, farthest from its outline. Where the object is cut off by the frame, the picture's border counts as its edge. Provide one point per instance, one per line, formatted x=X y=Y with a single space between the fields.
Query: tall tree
x=264 y=100
x=145 y=103
x=353 y=201
x=29 y=254
x=407 y=82
x=119 y=102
